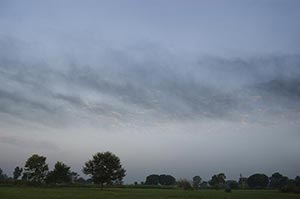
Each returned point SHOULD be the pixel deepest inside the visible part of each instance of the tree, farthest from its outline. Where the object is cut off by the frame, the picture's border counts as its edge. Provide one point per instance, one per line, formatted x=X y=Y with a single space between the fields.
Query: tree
x=196 y=182
x=36 y=168
x=258 y=181
x=218 y=181
x=152 y=179
x=105 y=168
x=277 y=180
x=166 y=180
x=184 y=184
x=17 y=173
x=60 y=174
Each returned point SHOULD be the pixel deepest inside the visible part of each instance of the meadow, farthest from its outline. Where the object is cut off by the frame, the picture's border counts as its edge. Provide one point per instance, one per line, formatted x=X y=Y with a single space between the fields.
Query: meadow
x=131 y=193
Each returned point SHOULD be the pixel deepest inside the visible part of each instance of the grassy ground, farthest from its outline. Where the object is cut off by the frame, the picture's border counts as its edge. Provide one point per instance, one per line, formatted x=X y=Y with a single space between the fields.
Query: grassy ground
x=95 y=193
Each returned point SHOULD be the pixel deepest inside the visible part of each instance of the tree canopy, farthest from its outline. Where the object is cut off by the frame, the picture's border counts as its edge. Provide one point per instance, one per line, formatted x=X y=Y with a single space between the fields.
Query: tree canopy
x=36 y=168
x=105 y=168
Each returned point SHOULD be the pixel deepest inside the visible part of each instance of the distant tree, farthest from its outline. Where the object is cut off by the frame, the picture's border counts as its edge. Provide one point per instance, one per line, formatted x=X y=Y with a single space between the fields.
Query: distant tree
x=297 y=181
x=152 y=179
x=105 y=168
x=2 y=175
x=17 y=173
x=196 y=182
x=166 y=180
x=184 y=184
x=277 y=180
x=258 y=181
x=60 y=174
x=36 y=168
x=136 y=183
x=218 y=181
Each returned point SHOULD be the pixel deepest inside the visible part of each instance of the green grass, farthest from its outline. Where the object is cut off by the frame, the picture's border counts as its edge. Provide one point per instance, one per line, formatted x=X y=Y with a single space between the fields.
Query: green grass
x=126 y=193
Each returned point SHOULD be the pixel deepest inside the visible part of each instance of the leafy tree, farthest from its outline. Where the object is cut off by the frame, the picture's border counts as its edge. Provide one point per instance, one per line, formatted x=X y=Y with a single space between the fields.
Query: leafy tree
x=184 y=184
x=36 y=168
x=60 y=174
x=166 y=180
x=17 y=173
x=196 y=182
x=258 y=181
x=104 y=168
x=152 y=179
x=277 y=180
x=218 y=181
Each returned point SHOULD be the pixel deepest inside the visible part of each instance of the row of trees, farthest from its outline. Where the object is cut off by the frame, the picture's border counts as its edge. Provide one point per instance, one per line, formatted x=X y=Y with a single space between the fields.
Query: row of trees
x=103 y=168
x=218 y=181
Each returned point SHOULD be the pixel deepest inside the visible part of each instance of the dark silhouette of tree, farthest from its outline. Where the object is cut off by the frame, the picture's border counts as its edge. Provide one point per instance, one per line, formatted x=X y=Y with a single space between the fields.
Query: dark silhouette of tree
x=196 y=182
x=258 y=181
x=36 y=168
x=60 y=174
x=152 y=179
x=17 y=173
x=277 y=180
x=167 y=180
x=218 y=181
x=105 y=168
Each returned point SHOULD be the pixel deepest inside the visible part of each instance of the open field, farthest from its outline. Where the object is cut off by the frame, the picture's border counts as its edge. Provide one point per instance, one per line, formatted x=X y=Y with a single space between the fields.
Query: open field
x=94 y=193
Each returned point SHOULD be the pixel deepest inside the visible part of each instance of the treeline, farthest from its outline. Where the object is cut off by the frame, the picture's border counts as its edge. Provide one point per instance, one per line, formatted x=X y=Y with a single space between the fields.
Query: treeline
x=218 y=181
x=105 y=169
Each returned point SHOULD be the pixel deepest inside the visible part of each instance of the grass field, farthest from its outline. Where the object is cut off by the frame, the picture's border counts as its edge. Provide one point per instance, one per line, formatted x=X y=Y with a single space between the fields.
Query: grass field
x=95 y=193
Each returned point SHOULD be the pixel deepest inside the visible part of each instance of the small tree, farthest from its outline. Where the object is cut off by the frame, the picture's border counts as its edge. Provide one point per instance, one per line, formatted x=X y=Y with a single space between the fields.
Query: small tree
x=184 y=184
x=36 y=168
x=60 y=174
x=104 y=168
x=218 y=181
x=17 y=173
x=196 y=182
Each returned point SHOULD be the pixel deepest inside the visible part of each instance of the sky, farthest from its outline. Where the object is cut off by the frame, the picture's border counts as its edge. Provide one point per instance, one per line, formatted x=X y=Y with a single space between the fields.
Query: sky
x=176 y=87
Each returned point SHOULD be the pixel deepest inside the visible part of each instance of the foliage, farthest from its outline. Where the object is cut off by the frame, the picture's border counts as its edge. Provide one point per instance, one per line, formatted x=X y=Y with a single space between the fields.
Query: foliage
x=152 y=179
x=218 y=181
x=277 y=180
x=17 y=173
x=258 y=181
x=60 y=174
x=167 y=180
x=196 y=182
x=105 y=168
x=184 y=184
x=36 y=168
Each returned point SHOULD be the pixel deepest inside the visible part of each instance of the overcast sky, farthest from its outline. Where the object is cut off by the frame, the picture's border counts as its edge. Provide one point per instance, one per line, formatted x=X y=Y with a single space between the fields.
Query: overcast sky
x=178 y=87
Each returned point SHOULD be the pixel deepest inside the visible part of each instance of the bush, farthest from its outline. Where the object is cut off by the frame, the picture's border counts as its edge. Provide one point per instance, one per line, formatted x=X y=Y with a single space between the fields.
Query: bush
x=184 y=184
x=290 y=189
